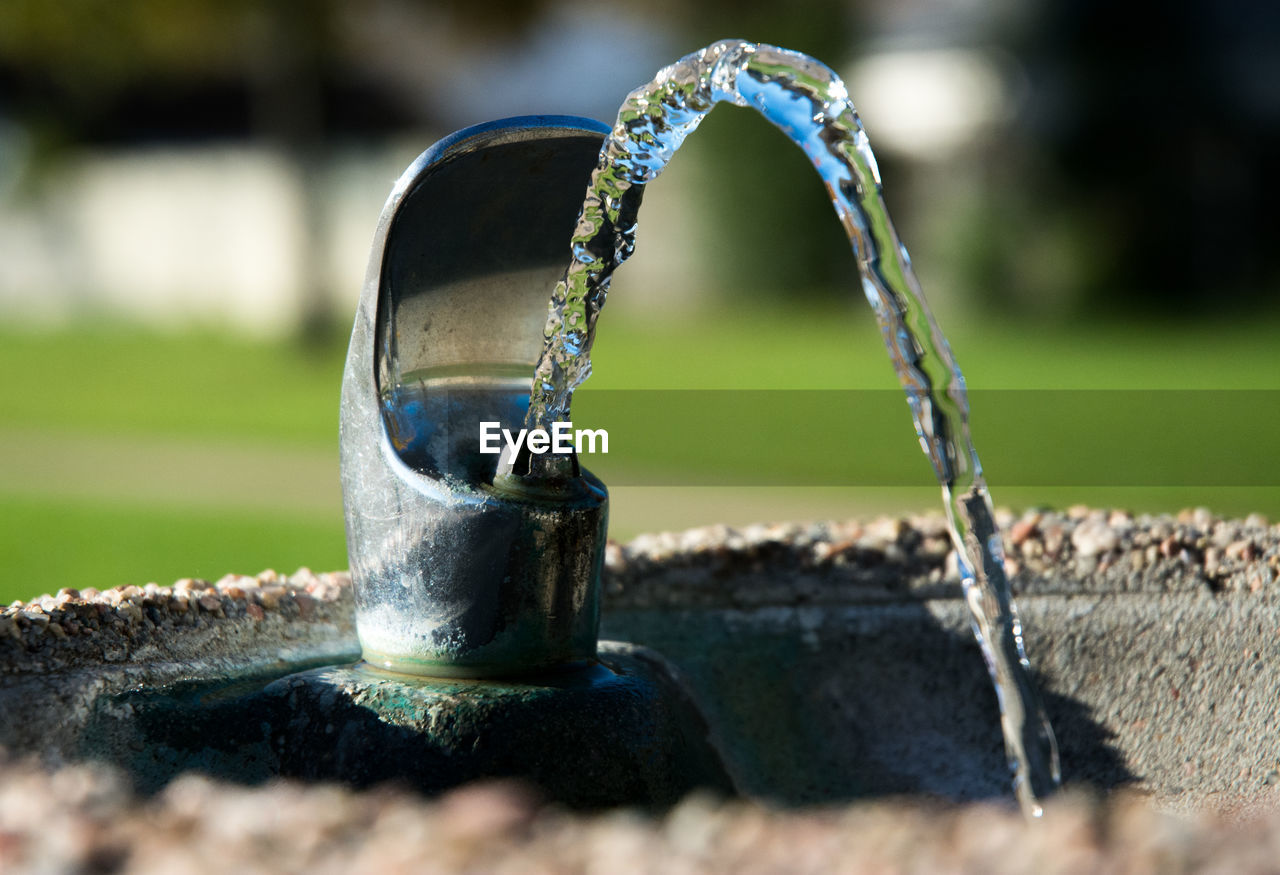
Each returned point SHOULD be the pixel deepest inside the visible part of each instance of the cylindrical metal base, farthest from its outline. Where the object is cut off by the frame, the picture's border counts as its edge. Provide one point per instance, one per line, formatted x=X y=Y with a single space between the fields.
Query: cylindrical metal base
x=489 y=588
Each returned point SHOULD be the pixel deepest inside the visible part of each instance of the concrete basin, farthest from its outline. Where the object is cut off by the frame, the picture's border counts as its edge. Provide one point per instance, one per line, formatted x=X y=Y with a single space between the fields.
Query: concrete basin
x=831 y=661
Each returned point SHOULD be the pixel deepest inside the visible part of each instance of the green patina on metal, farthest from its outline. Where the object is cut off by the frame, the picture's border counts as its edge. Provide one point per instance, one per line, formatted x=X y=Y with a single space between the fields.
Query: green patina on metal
x=620 y=731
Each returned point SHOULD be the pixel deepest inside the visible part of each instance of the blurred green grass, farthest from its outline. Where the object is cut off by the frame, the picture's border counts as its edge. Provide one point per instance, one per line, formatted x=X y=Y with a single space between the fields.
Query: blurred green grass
x=124 y=380
x=117 y=386
x=49 y=543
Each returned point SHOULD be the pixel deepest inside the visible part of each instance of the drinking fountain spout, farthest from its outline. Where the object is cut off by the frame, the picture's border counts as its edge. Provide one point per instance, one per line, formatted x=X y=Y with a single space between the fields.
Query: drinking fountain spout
x=477 y=604
x=454 y=578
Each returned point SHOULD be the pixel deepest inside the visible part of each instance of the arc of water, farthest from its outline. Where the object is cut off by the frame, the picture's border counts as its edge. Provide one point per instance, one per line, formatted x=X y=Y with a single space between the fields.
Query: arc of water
x=809 y=103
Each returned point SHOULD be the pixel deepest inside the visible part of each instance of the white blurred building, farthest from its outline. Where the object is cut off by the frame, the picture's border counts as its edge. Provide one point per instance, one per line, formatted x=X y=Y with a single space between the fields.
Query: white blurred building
x=208 y=235
x=217 y=236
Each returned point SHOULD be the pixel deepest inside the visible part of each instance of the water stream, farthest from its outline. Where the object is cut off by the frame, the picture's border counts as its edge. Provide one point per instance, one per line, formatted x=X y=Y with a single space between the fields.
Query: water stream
x=809 y=103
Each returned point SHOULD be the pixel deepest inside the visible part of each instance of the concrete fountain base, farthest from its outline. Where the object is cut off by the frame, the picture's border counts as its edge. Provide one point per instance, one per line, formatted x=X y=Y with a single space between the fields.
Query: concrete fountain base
x=832 y=661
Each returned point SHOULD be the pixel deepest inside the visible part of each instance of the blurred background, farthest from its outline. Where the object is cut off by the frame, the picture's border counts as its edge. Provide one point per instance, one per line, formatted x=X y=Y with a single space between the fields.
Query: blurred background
x=188 y=193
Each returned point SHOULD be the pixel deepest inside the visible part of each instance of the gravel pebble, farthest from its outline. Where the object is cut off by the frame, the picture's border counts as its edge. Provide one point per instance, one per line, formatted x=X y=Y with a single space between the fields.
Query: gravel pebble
x=1023 y=529
x=1094 y=536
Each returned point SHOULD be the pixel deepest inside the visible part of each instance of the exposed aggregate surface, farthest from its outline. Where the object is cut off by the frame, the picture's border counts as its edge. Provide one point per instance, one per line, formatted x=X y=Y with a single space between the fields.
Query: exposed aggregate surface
x=156 y=623
x=1081 y=550
x=84 y=819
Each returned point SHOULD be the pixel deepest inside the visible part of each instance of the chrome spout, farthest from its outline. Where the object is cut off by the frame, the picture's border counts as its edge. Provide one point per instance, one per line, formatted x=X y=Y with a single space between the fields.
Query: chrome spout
x=453 y=576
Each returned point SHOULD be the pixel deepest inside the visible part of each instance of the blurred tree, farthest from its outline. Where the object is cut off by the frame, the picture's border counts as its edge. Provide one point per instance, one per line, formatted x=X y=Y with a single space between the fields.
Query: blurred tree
x=289 y=72
x=1163 y=123
x=67 y=64
x=80 y=64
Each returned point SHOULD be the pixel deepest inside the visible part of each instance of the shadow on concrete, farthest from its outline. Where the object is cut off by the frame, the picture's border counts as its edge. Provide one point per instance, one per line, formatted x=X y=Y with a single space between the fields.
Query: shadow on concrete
x=827 y=704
